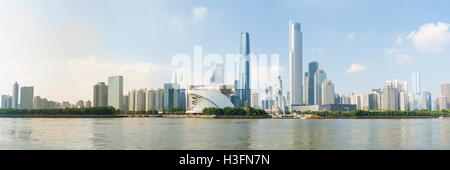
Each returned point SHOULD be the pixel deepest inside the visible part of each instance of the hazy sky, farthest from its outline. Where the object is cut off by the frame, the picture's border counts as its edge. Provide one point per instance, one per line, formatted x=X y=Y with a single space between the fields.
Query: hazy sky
x=63 y=48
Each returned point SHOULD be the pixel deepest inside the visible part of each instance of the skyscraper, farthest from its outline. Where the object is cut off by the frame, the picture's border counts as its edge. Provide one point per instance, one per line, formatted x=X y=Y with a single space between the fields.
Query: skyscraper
x=403 y=101
x=140 y=100
x=125 y=101
x=327 y=92
x=171 y=96
x=356 y=100
x=435 y=105
x=425 y=101
x=374 y=100
x=132 y=100
x=443 y=102
x=244 y=70
x=26 y=97
x=15 y=104
x=415 y=84
x=100 y=94
x=159 y=99
x=390 y=98
x=295 y=64
x=312 y=71
x=445 y=95
x=305 y=88
x=398 y=87
x=151 y=100
x=318 y=80
x=115 y=92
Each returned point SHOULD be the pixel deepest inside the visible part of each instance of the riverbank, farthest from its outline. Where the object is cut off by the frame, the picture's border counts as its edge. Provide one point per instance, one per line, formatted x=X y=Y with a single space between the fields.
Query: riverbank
x=385 y=117
x=141 y=116
x=199 y=116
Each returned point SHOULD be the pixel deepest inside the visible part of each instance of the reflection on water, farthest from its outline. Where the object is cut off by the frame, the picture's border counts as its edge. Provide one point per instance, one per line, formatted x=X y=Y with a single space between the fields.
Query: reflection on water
x=151 y=133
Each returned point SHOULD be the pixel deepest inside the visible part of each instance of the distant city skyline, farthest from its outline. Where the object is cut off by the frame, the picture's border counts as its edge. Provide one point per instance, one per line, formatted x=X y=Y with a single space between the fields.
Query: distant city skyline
x=67 y=49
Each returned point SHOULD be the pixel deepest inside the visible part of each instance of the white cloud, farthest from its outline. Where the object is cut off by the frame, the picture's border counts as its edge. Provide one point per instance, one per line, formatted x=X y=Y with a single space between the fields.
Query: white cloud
x=431 y=37
x=199 y=12
x=351 y=36
x=397 y=53
x=355 y=67
x=403 y=58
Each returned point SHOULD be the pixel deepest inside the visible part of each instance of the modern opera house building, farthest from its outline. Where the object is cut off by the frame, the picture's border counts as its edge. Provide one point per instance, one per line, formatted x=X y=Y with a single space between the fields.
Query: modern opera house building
x=206 y=96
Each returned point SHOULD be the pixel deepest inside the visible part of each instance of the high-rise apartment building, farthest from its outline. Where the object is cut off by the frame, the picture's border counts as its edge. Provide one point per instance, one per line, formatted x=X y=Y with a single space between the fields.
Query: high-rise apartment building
x=7 y=101
x=140 y=100
x=445 y=95
x=159 y=99
x=328 y=95
x=15 y=95
x=115 y=92
x=305 y=88
x=132 y=100
x=318 y=80
x=151 y=100
x=443 y=102
x=100 y=94
x=390 y=98
x=26 y=97
x=403 y=101
x=374 y=101
x=88 y=104
x=125 y=102
x=66 y=104
x=80 y=104
x=355 y=99
x=435 y=105
x=395 y=95
x=40 y=103
x=255 y=100
x=295 y=64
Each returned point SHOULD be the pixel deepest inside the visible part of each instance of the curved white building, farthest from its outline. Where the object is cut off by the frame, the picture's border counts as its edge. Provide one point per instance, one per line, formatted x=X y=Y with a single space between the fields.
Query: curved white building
x=200 y=97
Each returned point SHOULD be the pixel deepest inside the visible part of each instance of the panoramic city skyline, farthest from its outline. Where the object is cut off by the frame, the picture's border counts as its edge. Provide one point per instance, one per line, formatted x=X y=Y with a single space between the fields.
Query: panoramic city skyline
x=81 y=50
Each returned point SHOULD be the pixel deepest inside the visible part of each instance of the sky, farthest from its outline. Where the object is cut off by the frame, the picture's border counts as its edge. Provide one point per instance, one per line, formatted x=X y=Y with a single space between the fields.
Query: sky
x=63 y=48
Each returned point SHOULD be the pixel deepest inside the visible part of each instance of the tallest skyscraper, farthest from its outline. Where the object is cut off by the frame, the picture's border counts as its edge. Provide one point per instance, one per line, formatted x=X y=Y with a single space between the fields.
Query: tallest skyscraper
x=244 y=70
x=295 y=64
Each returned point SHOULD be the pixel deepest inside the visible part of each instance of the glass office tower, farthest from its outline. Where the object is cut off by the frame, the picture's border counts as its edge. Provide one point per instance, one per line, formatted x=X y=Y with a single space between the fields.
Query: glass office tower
x=244 y=70
x=312 y=71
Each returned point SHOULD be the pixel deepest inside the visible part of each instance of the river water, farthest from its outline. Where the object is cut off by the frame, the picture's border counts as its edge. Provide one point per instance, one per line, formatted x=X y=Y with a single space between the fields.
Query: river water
x=162 y=133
